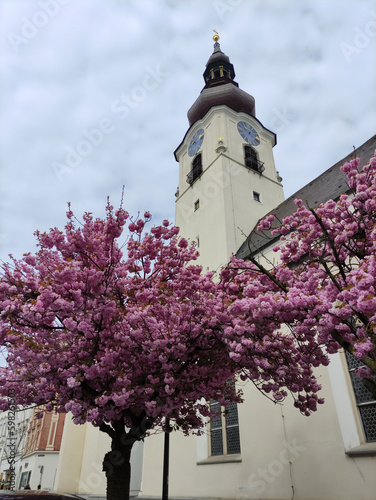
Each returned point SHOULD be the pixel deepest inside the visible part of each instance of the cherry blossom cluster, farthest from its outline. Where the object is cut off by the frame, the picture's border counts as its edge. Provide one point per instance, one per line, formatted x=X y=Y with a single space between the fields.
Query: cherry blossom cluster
x=114 y=329
x=324 y=289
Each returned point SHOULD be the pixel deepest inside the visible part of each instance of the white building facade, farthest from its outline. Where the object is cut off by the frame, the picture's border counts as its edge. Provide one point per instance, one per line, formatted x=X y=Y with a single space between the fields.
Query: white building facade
x=13 y=434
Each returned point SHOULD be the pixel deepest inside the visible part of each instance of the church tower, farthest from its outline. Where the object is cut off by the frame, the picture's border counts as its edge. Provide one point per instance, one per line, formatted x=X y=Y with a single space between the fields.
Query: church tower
x=227 y=176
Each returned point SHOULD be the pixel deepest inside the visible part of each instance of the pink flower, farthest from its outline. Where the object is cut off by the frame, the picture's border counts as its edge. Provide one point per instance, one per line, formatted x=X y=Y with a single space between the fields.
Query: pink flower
x=364 y=372
x=72 y=382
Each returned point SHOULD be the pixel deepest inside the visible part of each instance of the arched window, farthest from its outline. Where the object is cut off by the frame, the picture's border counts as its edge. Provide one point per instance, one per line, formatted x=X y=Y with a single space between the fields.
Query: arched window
x=196 y=169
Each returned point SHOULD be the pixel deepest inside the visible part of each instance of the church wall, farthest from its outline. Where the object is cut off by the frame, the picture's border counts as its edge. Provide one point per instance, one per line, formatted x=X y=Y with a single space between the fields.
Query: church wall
x=70 y=457
x=92 y=478
x=282 y=452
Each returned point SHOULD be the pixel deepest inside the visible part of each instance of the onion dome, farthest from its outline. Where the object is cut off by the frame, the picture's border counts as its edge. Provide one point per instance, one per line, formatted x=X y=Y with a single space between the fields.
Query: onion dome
x=220 y=88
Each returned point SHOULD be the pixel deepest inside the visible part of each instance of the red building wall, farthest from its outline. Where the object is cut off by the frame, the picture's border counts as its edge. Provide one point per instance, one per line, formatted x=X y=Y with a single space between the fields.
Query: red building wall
x=45 y=433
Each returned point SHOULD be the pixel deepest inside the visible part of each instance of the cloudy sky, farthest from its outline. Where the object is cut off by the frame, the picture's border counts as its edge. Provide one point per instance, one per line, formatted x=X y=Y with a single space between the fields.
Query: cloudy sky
x=95 y=93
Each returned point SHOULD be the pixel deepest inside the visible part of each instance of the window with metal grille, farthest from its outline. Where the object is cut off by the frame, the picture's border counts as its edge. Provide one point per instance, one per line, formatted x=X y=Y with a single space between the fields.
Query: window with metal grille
x=196 y=169
x=224 y=430
x=251 y=159
x=365 y=403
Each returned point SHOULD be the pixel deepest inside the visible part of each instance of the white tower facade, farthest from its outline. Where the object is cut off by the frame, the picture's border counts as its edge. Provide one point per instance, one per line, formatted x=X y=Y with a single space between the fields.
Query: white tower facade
x=227 y=175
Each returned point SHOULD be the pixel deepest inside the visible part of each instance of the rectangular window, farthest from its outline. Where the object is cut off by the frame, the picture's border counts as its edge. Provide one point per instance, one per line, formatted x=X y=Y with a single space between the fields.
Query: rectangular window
x=364 y=401
x=256 y=196
x=196 y=205
x=196 y=170
x=224 y=430
x=251 y=160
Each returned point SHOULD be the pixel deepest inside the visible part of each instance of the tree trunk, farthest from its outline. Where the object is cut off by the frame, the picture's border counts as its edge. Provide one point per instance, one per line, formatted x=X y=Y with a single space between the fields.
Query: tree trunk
x=117 y=466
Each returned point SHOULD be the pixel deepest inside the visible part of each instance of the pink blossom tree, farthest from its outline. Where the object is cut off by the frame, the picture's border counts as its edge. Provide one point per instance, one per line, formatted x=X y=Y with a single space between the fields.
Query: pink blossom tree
x=123 y=343
x=323 y=290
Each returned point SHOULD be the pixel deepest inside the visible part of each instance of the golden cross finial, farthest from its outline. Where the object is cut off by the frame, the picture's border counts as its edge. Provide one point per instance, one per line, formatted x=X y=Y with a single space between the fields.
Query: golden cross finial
x=216 y=36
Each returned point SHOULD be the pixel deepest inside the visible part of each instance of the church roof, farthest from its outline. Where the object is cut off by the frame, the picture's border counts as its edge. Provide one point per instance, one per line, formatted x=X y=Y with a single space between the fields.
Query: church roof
x=217 y=56
x=329 y=185
x=228 y=93
x=220 y=88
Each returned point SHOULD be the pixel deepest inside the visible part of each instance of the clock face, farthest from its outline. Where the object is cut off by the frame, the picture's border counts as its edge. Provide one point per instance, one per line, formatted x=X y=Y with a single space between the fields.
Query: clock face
x=248 y=133
x=196 y=142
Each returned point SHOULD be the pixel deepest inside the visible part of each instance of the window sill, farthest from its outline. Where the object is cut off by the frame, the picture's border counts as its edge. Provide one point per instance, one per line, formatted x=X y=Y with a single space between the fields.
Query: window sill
x=363 y=449
x=220 y=459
